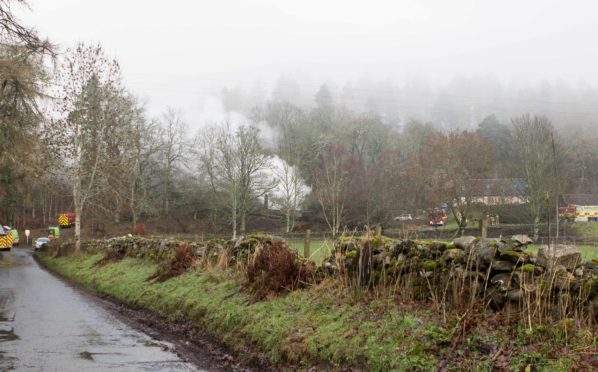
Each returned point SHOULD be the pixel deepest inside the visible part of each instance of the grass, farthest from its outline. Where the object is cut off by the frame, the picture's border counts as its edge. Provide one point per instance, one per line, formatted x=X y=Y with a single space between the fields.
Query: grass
x=587 y=230
x=588 y=252
x=323 y=327
x=303 y=328
x=319 y=249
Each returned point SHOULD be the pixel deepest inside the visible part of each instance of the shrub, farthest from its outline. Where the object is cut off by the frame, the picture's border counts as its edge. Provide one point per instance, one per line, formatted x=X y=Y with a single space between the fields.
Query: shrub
x=276 y=269
x=182 y=260
x=139 y=229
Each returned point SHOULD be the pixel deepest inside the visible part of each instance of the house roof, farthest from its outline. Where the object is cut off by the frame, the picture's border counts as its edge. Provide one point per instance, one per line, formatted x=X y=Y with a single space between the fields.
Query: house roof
x=580 y=199
x=498 y=187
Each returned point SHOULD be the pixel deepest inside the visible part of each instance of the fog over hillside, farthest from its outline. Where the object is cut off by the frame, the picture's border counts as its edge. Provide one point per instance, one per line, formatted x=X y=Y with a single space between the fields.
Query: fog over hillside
x=451 y=63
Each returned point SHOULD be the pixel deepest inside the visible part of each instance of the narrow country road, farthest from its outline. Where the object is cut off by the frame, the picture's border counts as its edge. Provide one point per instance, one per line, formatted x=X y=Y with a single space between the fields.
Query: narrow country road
x=45 y=325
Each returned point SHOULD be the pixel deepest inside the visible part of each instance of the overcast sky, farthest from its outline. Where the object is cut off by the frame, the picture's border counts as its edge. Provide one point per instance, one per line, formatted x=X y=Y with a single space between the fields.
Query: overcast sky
x=175 y=52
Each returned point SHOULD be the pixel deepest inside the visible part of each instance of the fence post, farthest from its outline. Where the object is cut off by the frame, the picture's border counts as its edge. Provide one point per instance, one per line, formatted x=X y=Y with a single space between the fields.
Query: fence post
x=484 y=227
x=306 y=253
x=378 y=231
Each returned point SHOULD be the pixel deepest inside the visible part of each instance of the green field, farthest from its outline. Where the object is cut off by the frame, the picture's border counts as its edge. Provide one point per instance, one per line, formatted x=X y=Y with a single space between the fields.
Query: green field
x=588 y=252
x=319 y=249
x=586 y=230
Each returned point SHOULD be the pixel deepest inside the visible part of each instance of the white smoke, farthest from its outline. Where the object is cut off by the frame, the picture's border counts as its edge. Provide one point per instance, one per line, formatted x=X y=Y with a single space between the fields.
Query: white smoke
x=213 y=113
x=277 y=169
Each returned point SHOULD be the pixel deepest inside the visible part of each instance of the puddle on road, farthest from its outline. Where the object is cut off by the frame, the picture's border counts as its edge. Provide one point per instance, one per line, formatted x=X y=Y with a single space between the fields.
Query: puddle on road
x=8 y=335
x=162 y=346
x=7 y=363
x=4 y=318
x=6 y=259
x=151 y=344
x=86 y=355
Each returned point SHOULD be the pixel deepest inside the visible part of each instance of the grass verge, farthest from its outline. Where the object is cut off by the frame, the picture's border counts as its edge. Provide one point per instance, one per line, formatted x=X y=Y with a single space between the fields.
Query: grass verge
x=323 y=326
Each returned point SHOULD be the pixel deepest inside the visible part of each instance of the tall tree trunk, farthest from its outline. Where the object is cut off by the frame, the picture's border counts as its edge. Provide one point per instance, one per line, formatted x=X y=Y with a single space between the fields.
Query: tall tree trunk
x=243 y=213
x=77 y=231
x=132 y=205
x=292 y=227
x=234 y=220
x=334 y=223
x=50 y=208
x=168 y=188
x=117 y=211
x=77 y=190
x=234 y=216
x=44 y=210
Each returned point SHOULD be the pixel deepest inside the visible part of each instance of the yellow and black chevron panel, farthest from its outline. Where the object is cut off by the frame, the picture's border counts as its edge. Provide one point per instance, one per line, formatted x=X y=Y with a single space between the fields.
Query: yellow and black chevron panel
x=63 y=220
x=5 y=242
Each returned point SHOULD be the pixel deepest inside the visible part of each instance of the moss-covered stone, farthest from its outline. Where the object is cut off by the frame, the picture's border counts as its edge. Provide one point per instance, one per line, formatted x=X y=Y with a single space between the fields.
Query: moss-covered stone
x=515 y=256
x=505 y=281
x=464 y=242
x=429 y=265
x=502 y=265
x=590 y=288
x=453 y=255
x=351 y=255
x=564 y=280
x=528 y=268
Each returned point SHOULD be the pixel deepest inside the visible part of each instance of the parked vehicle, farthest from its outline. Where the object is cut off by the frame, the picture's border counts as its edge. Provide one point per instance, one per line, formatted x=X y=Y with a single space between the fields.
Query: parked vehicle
x=39 y=243
x=404 y=217
x=15 y=237
x=437 y=217
x=5 y=238
x=53 y=232
x=569 y=212
x=66 y=219
x=578 y=213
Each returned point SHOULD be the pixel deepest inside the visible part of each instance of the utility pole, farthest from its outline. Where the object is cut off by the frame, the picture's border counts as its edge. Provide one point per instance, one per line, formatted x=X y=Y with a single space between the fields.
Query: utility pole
x=556 y=177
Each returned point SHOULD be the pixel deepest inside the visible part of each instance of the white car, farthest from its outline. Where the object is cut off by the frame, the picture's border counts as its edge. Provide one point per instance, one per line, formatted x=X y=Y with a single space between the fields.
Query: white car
x=404 y=217
x=40 y=242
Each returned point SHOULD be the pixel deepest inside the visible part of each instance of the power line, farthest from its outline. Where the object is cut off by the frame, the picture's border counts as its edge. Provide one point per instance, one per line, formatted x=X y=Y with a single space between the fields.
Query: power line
x=399 y=91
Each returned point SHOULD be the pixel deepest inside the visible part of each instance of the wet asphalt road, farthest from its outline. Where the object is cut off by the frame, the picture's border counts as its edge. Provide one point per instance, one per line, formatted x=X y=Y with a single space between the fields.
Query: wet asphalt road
x=45 y=325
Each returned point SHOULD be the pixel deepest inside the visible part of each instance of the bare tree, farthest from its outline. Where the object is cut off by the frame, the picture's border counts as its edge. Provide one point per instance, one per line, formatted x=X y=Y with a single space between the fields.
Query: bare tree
x=292 y=191
x=458 y=160
x=252 y=165
x=12 y=31
x=331 y=183
x=172 y=150
x=533 y=135
x=235 y=164
x=144 y=146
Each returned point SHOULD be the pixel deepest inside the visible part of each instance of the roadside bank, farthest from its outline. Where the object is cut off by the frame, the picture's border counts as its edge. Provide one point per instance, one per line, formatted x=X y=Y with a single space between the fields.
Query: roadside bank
x=327 y=325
